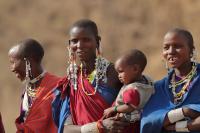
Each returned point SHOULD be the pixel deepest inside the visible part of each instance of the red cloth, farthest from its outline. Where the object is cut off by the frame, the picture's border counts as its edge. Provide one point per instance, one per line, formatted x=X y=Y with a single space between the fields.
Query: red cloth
x=1 y=125
x=85 y=109
x=39 y=119
x=131 y=96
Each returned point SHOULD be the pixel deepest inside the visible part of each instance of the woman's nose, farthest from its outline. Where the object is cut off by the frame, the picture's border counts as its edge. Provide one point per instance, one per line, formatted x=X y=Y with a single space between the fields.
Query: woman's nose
x=119 y=76
x=12 y=68
x=79 y=44
x=171 y=50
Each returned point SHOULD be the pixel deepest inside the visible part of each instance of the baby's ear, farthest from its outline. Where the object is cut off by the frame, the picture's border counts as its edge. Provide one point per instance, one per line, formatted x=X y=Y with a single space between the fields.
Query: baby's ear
x=136 y=67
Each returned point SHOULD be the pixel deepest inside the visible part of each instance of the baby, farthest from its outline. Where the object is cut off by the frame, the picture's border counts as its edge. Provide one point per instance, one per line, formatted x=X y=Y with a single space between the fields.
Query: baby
x=137 y=88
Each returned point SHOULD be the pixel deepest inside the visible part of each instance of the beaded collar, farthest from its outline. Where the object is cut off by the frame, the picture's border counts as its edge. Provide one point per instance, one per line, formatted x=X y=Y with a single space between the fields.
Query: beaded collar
x=33 y=81
x=32 y=92
x=185 y=82
x=99 y=73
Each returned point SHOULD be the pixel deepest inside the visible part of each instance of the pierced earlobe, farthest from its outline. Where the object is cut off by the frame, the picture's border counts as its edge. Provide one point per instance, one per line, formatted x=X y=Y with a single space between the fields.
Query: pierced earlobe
x=165 y=64
x=193 y=56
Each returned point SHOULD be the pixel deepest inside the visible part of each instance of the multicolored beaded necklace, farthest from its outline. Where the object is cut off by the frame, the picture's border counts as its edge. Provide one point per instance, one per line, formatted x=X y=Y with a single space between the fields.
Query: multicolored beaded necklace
x=178 y=96
x=99 y=73
x=32 y=92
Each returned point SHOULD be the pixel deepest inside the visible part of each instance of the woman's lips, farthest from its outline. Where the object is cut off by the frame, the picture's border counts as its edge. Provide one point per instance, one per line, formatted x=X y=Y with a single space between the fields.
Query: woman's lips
x=172 y=60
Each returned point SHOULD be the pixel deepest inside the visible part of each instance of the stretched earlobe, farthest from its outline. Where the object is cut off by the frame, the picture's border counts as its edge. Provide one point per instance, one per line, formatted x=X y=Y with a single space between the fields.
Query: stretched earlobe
x=165 y=64
x=193 y=56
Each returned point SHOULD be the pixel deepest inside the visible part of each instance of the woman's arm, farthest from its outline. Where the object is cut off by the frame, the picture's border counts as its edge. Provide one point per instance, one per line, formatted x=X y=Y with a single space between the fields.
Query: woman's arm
x=108 y=125
x=173 y=116
x=191 y=125
x=125 y=108
x=72 y=129
x=194 y=124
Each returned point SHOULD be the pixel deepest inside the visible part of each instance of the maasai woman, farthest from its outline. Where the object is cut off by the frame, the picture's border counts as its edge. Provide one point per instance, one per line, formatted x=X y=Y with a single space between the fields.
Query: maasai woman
x=175 y=107
x=89 y=87
x=35 y=115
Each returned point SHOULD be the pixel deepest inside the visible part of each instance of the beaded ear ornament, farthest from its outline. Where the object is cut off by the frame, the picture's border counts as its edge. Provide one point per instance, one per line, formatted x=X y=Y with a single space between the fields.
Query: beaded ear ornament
x=30 y=93
x=72 y=70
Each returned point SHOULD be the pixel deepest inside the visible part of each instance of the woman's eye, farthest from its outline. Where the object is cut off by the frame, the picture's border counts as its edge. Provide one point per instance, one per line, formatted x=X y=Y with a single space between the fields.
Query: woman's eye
x=178 y=46
x=86 y=39
x=166 y=47
x=73 y=41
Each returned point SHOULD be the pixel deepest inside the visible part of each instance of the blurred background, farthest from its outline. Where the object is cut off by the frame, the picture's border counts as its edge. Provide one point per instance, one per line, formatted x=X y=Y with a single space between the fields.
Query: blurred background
x=123 y=25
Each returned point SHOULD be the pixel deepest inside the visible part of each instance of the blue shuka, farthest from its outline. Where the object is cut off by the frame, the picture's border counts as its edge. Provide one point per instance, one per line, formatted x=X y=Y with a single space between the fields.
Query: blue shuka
x=162 y=102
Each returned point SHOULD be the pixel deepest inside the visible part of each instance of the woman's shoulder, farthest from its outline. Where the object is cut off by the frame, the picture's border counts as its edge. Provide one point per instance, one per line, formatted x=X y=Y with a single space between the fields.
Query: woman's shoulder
x=112 y=77
x=198 y=67
x=162 y=82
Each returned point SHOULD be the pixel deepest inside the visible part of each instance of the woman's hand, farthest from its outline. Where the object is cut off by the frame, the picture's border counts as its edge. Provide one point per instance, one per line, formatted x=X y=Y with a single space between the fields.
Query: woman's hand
x=192 y=114
x=114 y=125
x=170 y=127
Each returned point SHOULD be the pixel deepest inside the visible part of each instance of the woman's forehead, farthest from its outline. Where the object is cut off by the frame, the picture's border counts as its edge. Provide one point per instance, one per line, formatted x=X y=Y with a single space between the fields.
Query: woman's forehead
x=14 y=51
x=172 y=36
x=81 y=31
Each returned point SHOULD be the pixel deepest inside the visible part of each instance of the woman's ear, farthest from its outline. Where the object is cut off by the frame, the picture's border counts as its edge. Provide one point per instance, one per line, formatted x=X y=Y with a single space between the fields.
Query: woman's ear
x=98 y=39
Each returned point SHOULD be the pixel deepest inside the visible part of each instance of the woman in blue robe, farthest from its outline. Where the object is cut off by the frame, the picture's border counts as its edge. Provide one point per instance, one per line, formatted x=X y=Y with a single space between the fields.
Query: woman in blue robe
x=175 y=106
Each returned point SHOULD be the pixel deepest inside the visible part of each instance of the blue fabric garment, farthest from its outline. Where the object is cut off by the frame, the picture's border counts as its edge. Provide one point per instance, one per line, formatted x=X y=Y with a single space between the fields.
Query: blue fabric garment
x=161 y=103
x=61 y=107
x=108 y=94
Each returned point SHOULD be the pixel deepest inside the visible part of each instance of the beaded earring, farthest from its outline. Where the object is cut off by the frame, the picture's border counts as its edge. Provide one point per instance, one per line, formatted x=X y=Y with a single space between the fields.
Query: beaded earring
x=72 y=70
x=194 y=56
x=28 y=70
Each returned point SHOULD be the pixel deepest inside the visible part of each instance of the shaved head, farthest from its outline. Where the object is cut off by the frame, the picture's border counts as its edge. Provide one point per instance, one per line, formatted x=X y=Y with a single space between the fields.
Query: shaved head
x=28 y=48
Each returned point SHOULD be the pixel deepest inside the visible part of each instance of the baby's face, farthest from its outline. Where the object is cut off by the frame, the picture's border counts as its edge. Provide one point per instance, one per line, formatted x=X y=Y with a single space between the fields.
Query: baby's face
x=126 y=73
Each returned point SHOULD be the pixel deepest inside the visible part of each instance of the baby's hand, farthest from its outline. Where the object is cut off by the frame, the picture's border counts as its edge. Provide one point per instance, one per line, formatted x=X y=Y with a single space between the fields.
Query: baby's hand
x=109 y=112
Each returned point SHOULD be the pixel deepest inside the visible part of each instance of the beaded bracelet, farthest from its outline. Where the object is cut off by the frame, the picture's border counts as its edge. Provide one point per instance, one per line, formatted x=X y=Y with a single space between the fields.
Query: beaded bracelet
x=100 y=126
x=181 y=126
x=175 y=115
x=115 y=109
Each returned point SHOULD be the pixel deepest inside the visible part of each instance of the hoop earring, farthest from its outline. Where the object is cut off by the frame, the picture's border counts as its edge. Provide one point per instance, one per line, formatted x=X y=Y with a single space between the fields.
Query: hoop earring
x=72 y=70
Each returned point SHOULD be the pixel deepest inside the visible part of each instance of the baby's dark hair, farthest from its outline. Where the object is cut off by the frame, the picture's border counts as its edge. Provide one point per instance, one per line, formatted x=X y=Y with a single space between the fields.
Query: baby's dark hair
x=135 y=56
x=30 y=48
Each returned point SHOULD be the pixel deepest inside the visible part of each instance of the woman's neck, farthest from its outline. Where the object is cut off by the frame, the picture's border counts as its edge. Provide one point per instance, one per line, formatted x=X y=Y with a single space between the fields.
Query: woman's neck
x=89 y=66
x=38 y=74
x=37 y=71
x=183 y=70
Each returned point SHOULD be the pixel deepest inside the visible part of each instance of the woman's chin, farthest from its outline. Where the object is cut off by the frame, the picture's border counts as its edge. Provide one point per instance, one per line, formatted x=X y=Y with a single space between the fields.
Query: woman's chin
x=173 y=66
x=21 y=78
